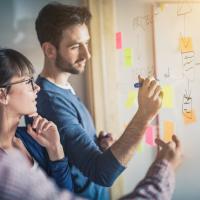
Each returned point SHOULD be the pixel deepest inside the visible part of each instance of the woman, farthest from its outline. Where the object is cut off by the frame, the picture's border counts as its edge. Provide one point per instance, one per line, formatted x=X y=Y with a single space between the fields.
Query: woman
x=18 y=94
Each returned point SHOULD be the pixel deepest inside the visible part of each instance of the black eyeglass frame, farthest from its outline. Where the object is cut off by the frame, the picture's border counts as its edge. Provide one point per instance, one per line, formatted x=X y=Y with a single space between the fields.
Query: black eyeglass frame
x=30 y=80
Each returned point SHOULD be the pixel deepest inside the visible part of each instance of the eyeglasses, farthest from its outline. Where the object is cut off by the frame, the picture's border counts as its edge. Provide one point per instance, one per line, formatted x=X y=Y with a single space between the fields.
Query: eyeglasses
x=27 y=81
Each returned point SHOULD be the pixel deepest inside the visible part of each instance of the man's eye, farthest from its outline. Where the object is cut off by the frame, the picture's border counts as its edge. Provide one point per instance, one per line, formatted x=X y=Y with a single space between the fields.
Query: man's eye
x=75 y=46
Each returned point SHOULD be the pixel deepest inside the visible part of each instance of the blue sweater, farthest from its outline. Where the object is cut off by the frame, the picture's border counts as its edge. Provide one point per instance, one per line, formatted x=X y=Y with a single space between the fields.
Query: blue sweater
x=58 y=170
x=78 y=137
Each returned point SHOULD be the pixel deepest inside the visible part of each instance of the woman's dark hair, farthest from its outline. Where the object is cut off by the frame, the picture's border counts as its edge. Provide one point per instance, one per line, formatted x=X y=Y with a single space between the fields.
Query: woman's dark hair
x=56 y=17
x=13 y=63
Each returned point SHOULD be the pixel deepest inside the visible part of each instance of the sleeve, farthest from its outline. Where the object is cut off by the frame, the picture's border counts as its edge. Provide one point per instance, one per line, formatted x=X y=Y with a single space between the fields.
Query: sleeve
x=159 y=183
x=59 y=170
x=102 y=168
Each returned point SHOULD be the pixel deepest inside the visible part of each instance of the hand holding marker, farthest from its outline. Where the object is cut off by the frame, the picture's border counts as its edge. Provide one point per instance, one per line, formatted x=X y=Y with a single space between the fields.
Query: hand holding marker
x=139 y=84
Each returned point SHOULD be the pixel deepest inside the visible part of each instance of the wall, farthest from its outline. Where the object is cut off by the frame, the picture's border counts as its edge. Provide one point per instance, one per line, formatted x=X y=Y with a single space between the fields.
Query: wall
x=17 y=19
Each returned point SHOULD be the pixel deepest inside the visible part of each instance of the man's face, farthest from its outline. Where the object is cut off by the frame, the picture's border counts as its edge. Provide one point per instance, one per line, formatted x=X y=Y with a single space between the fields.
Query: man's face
x=73 y=52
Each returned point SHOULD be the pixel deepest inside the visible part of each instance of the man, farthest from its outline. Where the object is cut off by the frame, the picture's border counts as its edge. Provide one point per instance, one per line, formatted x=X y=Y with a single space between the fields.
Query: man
x=63 y=34
x=20 y=182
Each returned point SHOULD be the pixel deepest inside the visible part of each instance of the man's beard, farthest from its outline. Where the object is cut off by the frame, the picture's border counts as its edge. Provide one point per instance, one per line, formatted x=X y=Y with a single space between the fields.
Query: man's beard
x=64 y=66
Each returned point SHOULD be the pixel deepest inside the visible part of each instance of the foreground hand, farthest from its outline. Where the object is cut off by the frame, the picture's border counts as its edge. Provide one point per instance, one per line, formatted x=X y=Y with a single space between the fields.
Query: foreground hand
x=46 y=134
x=105 y=140
x=170 y=151
x=149 y=98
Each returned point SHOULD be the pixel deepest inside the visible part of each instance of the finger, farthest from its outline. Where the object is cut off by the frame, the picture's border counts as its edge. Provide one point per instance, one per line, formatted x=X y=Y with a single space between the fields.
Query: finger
x=152 y=87
x=140 y=79
x=177 y=141
x=33 y=114
x=36 y=121
x=160 y=142
x=148 y=81
x=157 y=92
x=31 y=132
x=102 y=133
x=41 y=124
x=48 y=125
x=35 y=136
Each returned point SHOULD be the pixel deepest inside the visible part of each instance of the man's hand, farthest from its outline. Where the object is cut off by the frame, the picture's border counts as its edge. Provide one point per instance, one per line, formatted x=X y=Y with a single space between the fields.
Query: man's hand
x=149 y=98
x=105 y=140
x=46 y=134
x=170 y=151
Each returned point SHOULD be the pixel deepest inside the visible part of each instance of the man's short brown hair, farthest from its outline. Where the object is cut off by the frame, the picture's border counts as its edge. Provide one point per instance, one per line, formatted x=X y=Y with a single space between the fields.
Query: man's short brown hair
x=55 y=17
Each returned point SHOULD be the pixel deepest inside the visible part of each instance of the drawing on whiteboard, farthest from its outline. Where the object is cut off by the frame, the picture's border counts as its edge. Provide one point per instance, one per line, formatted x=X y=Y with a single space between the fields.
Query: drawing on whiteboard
x=184 y=9
x=187 y=102
x=167 y=74
x=188 y=64
x=142 y=22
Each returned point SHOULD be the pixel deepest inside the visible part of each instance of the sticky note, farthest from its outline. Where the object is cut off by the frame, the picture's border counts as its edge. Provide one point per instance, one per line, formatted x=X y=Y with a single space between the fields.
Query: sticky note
x=132 y=96
x=189 y=117
x=128 y=58
x=186 y=44
x=140 y=148
x=168 y=130
x=150 y=135
x=168 y=96
x=118 y=40
x=162 y=6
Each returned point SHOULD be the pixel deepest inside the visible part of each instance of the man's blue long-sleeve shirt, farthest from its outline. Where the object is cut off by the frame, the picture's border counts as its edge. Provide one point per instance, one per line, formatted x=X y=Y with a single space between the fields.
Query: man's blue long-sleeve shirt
x=78 y=137
x=58 y=170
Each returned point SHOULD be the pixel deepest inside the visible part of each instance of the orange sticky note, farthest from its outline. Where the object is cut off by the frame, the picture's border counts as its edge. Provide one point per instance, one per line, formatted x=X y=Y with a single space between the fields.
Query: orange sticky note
x=132 y=96
x=186 y=44
x=189 y=117
x=149 y=136
x=168 y=130
x=118 y=40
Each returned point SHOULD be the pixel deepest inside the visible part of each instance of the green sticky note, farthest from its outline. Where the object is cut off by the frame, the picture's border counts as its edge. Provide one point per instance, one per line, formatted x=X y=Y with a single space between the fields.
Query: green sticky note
x=132 y=96
x=128 y=58
x=168 y=96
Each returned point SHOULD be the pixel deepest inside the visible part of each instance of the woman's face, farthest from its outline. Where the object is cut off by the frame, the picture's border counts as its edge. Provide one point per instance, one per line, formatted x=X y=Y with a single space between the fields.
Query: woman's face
x=22 y=96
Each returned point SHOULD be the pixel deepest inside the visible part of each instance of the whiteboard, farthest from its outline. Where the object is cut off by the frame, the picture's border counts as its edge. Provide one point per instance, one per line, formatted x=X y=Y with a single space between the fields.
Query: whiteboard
x=177 y=58
x=136 y=28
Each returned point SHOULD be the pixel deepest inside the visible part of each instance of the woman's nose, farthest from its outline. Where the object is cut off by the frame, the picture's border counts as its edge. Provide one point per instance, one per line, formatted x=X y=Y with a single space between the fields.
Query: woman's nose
x=36 y=88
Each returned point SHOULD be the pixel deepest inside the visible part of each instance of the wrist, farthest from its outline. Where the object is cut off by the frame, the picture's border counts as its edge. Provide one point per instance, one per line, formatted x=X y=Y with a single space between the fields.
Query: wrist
x=55 y=152
x=141 y=119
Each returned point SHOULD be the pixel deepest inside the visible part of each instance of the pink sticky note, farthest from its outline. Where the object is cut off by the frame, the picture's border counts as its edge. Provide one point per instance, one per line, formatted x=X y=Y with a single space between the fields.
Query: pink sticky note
x=119 y=40
x=149 y=136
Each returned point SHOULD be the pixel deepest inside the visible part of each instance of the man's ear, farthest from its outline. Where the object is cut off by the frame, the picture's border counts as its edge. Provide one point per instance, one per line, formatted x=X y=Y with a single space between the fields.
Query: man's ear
x=49 y=50
x=3 y=96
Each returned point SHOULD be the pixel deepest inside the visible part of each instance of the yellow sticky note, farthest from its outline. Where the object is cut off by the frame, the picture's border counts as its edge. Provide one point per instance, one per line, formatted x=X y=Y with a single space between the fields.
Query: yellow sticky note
x=189 y=117
x=162 y=6
x=168 y=96
x=186 y=44
x=168 y=130
x=132 y=96
x=140 y=148
x=128 y=58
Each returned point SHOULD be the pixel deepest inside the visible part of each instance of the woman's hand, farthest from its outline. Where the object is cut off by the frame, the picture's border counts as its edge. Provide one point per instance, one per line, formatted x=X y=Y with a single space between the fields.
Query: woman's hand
x=46 y=134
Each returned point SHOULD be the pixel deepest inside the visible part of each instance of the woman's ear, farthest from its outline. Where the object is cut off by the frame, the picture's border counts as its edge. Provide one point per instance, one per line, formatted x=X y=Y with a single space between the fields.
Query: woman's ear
x=49 y=50
x=3 y=96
